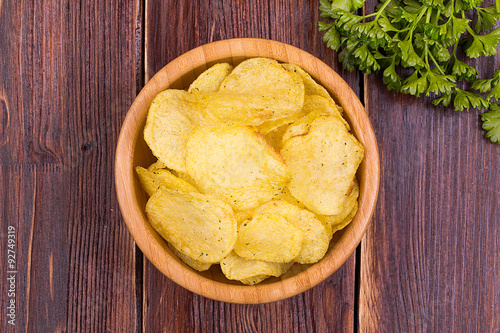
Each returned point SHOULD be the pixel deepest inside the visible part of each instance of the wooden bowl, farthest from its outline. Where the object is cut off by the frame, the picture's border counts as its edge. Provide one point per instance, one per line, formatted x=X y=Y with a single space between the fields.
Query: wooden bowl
x=133 y=151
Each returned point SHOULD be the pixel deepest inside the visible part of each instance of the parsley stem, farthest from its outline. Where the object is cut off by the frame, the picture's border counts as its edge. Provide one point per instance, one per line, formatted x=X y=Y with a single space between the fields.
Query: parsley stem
x=381 y=10
x=436 y=63
x=497 y=5
x=437 y=17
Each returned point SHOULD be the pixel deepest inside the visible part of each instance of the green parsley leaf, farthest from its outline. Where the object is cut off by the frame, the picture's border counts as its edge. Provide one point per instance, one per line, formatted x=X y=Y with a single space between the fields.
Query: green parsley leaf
x=332 y=39
x=444 y=100
x=424 y=36
x=409 y=56
x=391 y=78
x=491 y=123
x=463 y=71
x=482 y=45
x=467 y=99
x=487 y=18
x=415 y=85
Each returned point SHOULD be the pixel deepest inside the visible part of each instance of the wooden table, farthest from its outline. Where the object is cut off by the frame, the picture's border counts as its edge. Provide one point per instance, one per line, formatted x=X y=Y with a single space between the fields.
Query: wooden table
x=430 y=260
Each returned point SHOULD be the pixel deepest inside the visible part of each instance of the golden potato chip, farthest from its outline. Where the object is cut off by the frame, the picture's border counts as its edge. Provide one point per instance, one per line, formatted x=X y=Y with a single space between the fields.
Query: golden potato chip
x=310 y=86
x=152 y=180
x=184 y=176
x=157 y=165
x=268 y=237
x=274 y=137
x=254 y=279
x=257 y=90
x=316 y=239
x=251 y=272
x=337 y=222
x=198 y=225
x=272 y=125
x=243 y=215
x=345 y=222
x=195 y=264
x=168 y=127
x=236 y=164
x=323 y=162
x=171 y=117
x=211 y=79
x=314 y=107
x=288 y=197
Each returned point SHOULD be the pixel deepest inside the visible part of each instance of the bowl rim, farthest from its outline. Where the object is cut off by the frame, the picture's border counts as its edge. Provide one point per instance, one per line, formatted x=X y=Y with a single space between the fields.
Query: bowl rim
x=134 y=217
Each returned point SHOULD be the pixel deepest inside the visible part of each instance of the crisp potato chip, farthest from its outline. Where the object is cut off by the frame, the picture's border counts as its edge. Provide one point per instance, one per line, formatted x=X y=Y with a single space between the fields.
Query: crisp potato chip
x=254 y=279
x=168 y=127
x=251 y=272
x=314 y=107
x=236 y=164
x=310 y=86
x=288 y=197
x=152 y=180
x=345 y=222
x=337 y=222
x=171 y=117
x=316 y=239
x=323 y=162
x=269 y=237
x=157 y=165
x=198 y=225
x=211 y=79
x=195 y=264
x=257 y=90
x=272 y=125
x=243 y=215
x=185 y=176
x=274 y=137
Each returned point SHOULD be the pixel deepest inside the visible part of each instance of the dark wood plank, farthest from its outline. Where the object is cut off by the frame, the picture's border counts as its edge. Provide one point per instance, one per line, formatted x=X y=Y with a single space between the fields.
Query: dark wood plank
x=67 y=81
x=431 y=256
x=327 y=307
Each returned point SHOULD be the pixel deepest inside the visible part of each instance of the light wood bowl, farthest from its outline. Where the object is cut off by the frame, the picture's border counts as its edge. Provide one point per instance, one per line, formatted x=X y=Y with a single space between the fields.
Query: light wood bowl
x=133 y=151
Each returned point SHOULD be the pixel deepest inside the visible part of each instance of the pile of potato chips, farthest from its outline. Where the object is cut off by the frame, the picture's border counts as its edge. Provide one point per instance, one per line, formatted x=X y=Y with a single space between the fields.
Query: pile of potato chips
x=256 y=169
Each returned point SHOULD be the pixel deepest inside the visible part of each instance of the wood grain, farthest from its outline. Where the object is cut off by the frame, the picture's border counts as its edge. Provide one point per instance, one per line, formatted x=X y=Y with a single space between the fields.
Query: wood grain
x=431 y=258
x=203 y=22
x=68 y=73
x=67 y=77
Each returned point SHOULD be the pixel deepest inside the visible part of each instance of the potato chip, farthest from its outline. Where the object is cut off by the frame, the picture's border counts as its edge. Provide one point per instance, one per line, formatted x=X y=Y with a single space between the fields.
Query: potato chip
x=157 y=165
x=195 y=264
x=152 y=180
x=323 y=162
x=168 y=127
x=251 y=272
x=184 y=176
x=253 y=280
x=288 y=197
x=257 y=90
x=211 y=79
x=236 y=164
x=348 y=219
x=337 y=222
x=269 y=237
x=310 y=86
x=243 y=215
x=198 y=225
x=316 y=239
x=171 y=117
x=314 y=107
x=274 y=137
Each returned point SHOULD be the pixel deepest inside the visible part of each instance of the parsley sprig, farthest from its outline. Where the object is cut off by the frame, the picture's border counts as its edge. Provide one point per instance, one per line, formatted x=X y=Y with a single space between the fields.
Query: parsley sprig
x=414 y=43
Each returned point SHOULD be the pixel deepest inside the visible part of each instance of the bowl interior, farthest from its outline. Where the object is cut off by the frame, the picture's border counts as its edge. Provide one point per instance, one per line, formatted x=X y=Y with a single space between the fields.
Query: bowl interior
x=133 y=151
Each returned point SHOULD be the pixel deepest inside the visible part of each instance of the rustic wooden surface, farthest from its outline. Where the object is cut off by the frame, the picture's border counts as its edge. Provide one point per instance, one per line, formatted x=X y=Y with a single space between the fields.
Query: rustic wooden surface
x=69 y=70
